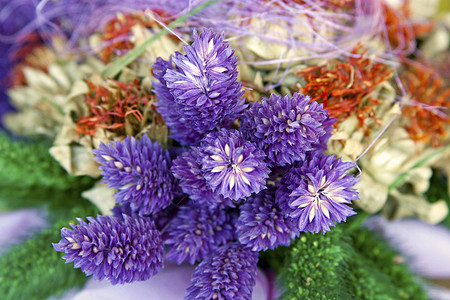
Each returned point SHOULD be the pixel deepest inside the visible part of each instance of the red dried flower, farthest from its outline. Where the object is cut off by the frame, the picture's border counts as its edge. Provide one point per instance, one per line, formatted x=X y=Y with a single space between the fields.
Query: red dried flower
x=344 y=86
x=399 y=32
x=114 y=106
x=427 y=113
x=116 y=34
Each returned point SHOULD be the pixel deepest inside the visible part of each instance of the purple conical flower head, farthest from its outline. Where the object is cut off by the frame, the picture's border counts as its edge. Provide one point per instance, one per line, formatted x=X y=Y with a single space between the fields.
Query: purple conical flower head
x=262 y=224
x=120 y=250
x=232 y=166
x=140 y=170
x=196 y=232
x=316 y=193
x=187 y=169
x=227 y=275
x=199 y=91
x=286 y=128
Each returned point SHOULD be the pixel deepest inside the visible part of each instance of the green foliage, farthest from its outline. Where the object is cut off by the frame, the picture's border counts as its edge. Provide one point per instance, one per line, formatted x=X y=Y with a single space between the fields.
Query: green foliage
x=377 y=267
x=34 y=270
x=29 y=176
x=316 y=267
x=345 y=264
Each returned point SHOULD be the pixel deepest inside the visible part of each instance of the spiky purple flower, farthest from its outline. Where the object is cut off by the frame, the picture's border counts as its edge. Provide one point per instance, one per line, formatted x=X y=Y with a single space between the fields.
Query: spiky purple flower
x=227 y=275
x=232 y=166
x=262 y=224
x=286 y=128
x=117 y=249
x=316 y=193
x=140 y=170
x=189 y=171
x=197 y=231
x=199 y=91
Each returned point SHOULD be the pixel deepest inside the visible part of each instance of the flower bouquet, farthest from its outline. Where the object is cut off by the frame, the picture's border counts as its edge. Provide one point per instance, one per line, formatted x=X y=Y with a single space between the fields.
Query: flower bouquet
x=247 y=139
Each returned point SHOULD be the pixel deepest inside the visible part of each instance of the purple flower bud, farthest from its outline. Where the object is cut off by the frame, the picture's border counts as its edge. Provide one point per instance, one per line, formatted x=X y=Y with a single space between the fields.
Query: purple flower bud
x=199 y=91
x=196 y=232
x=262 y=224
x=118 y=249
x=140 y=170
x=286 y=128
x=228 y=274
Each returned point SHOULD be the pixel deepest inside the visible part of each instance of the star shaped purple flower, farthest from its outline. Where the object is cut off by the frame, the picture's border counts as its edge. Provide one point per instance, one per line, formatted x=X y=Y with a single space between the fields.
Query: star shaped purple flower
x=232 y=166
x=317 y=192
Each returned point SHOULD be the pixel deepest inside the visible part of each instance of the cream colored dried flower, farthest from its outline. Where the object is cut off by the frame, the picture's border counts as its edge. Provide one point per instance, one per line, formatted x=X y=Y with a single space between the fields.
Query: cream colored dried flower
x=41 y=100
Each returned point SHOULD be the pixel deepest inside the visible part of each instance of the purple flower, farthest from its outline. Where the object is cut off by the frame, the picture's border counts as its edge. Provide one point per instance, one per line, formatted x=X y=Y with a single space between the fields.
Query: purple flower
x=177 y=123
x=196 y=232
x=316 y=193
x=232 y=166
x=286 y=128
x=118 y=249
x=140 y=170
x=199 y=91
x=187 y=169
x=262 y=224
x=227 y=275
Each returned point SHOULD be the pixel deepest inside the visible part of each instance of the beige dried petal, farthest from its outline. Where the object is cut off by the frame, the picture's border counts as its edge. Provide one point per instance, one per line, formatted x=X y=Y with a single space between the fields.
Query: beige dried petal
x=101 y=196
x=372 y=194
x=352 y=149
x=58 y=73
x=419 y=178
x=75 y=159
x=410 y=205
x=39 y=80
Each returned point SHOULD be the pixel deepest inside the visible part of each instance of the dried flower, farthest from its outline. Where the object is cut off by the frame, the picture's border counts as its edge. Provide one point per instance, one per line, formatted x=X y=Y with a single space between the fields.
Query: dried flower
x=286 y=128
x=229 y=274
x=189 y=171
x=262 y=224
x=199 y=91
x=117 y=34
x=345 y=87
x=196 y=232
x=425 y=115
x=114 y=106
x=232 y=166
x=315 y=193
x=120 y=250
x=140 y=170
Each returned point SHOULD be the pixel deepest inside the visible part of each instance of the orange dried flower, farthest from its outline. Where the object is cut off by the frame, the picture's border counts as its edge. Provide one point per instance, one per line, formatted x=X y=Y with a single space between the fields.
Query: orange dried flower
x=427 y=114
x=344 y=86
x=399 y=31
x=114 y=106
x=116 y=35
